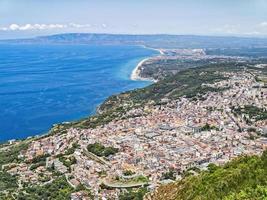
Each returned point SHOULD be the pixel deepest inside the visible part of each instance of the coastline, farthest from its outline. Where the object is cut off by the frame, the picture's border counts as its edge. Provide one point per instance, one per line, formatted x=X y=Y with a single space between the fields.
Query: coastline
x=158 y=50
x=135 y=76
x=136 y=73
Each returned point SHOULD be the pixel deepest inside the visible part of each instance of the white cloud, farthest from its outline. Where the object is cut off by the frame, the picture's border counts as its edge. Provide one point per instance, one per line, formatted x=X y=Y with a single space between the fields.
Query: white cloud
x=26 y=27
x=13 y=27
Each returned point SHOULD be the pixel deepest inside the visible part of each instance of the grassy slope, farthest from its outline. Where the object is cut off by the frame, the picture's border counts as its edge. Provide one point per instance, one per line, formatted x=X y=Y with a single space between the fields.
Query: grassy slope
x=243 y=178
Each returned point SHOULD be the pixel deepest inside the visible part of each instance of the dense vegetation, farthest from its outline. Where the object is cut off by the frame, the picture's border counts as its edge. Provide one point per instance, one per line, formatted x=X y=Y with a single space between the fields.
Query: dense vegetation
x=133 y=194
x=241 y=179
x=169 y=175
x=100 y=150
x=159 y=69
x=59 y=189
x=10 y=154
x=7 y=181
x=253 y=112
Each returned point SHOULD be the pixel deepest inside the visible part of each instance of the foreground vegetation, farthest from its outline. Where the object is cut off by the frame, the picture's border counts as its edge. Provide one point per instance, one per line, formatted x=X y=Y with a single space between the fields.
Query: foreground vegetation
x=241 y=179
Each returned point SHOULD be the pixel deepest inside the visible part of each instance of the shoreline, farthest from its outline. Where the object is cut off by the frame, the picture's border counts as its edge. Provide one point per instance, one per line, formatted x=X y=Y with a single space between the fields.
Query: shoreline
x=136 y=73
x=158 y=50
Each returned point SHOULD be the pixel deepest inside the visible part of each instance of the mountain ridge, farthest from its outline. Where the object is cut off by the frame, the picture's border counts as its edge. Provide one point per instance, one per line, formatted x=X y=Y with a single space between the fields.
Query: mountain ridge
x=155 y=41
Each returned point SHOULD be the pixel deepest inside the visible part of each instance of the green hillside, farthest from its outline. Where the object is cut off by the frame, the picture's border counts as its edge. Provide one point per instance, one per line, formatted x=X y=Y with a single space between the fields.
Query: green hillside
x=244 y=178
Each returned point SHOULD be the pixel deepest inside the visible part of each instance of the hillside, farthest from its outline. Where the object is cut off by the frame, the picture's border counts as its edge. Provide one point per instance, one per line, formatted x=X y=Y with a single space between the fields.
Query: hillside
x=241 y=179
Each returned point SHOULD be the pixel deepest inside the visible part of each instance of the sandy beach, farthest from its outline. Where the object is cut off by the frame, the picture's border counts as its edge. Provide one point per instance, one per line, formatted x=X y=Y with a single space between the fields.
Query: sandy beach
x=137 y=70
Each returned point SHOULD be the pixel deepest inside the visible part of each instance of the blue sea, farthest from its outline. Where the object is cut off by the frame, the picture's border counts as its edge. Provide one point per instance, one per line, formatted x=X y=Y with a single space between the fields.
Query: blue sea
x=41 y=85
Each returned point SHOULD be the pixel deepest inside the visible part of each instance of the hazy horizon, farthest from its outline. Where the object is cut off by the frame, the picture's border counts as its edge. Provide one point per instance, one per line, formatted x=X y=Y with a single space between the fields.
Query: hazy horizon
x=30 y=18
x=146 y=34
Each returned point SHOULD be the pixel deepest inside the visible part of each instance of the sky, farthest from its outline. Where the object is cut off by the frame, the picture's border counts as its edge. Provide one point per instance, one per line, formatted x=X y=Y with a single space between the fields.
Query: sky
x=29 y=18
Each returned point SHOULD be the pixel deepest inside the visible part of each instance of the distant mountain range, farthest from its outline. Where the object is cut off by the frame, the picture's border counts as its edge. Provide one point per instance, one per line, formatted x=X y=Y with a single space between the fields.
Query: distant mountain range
x=154 y=41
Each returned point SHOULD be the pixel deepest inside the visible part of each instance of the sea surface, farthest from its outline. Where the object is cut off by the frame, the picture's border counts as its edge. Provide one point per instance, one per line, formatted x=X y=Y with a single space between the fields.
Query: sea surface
x=41 y=85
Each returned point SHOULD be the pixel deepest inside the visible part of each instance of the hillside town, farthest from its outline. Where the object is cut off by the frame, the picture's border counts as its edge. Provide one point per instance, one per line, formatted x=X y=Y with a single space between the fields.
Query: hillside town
x=178 y=136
